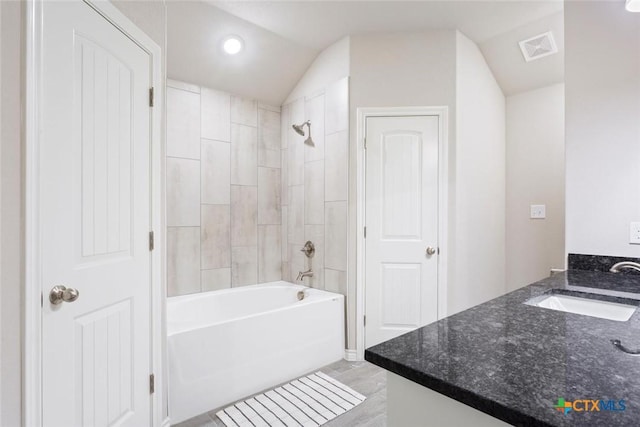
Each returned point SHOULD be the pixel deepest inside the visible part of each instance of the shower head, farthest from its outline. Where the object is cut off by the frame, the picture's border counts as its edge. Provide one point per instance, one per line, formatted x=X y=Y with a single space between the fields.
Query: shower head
x=300 y=128
x=300 y=131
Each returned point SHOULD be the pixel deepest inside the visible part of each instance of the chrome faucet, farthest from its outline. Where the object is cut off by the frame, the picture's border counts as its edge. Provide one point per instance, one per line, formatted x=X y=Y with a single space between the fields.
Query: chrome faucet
x=624 y=265
x=303 y=274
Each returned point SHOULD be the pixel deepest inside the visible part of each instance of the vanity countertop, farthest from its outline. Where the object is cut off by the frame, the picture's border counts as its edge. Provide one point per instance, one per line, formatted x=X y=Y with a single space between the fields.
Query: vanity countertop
x=514 y=361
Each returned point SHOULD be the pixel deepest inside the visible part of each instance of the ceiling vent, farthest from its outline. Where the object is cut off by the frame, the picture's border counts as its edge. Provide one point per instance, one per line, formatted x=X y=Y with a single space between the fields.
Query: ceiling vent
x=538 y=46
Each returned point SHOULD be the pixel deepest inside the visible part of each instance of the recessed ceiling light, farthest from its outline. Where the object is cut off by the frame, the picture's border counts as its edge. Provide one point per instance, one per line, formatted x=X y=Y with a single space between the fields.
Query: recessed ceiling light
x=232 y=45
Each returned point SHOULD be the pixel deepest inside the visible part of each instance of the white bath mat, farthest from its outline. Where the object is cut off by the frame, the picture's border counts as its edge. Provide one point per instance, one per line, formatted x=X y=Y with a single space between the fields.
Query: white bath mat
x=309 y=401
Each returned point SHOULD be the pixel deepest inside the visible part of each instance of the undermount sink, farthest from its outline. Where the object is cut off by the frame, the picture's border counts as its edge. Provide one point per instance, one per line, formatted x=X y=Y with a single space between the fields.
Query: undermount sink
x=585 y=306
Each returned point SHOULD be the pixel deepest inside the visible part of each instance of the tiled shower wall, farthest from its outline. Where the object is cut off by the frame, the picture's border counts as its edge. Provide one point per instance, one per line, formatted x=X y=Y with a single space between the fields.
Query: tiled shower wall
x=315 y=187
x=223 y=190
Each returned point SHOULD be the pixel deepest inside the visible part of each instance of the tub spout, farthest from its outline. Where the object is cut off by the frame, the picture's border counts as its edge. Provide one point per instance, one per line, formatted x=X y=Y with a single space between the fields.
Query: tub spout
x=303 y=274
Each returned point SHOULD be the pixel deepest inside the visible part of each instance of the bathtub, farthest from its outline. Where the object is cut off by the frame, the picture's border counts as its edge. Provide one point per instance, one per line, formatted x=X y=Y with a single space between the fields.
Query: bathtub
x=226 y=345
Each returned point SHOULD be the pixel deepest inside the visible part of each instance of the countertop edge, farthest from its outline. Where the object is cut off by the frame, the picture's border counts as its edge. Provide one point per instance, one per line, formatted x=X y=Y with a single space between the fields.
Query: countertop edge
x=480 y=403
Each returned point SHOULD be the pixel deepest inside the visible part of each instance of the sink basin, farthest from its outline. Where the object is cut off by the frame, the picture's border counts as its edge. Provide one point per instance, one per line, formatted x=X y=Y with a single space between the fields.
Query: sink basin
x=585 y=306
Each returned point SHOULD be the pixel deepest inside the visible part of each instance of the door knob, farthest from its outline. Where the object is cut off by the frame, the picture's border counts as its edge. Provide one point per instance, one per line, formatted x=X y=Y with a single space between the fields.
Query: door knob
x=61 y=294
x=431 y=251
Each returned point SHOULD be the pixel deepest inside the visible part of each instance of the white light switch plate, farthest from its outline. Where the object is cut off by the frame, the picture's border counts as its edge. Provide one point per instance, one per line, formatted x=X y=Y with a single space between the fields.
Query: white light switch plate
x=634 y=233
x=538 y=211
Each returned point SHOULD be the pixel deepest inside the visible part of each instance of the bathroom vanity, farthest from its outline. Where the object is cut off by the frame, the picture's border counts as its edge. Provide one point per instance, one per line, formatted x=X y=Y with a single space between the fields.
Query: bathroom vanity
x=515 y=360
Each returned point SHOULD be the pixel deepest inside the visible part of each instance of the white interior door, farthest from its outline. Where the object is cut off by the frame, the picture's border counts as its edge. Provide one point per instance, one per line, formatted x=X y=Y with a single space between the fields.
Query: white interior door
x=94 y=210
x=401 y=279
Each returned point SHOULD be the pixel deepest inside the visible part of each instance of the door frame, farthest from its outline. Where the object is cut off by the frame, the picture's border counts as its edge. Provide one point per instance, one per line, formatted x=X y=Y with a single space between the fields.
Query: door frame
x=442 y=112
x=34 y=292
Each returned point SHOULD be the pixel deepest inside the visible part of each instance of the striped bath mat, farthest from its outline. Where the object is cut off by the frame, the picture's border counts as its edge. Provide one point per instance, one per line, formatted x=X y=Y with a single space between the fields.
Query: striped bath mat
x=309 y=401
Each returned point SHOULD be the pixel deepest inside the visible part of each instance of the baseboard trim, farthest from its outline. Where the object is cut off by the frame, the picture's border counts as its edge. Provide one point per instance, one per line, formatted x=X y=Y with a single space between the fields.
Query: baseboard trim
x=350 y=355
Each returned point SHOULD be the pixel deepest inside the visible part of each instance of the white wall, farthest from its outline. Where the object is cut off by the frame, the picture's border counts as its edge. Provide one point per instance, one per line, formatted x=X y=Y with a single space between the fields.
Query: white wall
x=391 y=70
x=150 y=16
x=331 y=65
x=602 y=113
x=535 y=175
x=478 y=266
x=11 y=225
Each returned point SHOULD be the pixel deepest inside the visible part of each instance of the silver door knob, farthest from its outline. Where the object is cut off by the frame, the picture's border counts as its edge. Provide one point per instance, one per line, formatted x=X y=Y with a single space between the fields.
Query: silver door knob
x=431 y=251
x=61 y=294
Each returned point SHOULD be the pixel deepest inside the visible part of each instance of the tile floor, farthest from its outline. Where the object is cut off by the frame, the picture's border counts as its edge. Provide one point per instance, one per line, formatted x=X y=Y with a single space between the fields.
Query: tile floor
x=363 y=377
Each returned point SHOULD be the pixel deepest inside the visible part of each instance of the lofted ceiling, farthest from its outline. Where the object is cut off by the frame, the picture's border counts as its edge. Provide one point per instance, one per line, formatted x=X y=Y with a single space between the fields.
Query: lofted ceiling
x=283 y=37
x=318 y=24
x=512 y=72
x=267 y=69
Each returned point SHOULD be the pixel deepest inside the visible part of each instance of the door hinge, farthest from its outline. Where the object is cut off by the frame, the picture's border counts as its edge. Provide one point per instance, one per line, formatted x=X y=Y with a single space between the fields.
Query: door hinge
x=365 y=143
x=364 y=322
x=365 y=232
x=151 y=241
x=151 y=97
x=152 y=383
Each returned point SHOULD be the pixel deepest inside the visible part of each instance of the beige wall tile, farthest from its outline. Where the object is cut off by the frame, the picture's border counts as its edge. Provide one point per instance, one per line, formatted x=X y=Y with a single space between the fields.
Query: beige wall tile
x=335 y=281
x=215 y=236
x=215 y=121
x=336 y=235
x=297 y=263
x=269 y=158
x=183 y=124
x=285 y=125
x=176 y=84
x=314 y=192
x=269 y=203
x=244 y=215
x=269 y=139
x=284 y=234
x=314 y=111
x=284 y=177
x=336 y=167
x=183 y=260
x=216 y=172
x=296 y=215
x=269 y=253
x=244 y=111
x=216 y=279
x=295 y=145
x=183 y=192
x=244 y=266
x=268 y=107
x=269 y=129
x=296 y=113
x=295 y=161
x=337 y=107
x=244 y=155
x=286 y=273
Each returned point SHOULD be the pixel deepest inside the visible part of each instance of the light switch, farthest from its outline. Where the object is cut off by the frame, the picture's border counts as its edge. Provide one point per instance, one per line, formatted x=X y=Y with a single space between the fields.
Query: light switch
x=538 y=211
x=634 y=233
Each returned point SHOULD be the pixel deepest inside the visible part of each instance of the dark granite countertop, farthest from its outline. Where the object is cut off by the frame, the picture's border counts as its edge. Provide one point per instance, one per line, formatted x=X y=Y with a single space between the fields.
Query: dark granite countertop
x=513 y=361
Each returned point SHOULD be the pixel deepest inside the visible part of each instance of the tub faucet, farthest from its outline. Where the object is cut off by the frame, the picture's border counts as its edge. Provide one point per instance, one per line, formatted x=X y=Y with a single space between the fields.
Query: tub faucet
x=303 y=274
x=624 y=265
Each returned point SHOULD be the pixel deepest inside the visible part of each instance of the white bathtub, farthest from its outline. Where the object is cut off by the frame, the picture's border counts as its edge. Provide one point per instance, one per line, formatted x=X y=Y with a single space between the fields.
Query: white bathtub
x=229 y=344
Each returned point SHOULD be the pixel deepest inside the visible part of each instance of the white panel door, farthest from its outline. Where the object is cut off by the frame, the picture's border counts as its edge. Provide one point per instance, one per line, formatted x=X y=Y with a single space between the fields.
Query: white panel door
x=94 y=165
x=402 y=222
